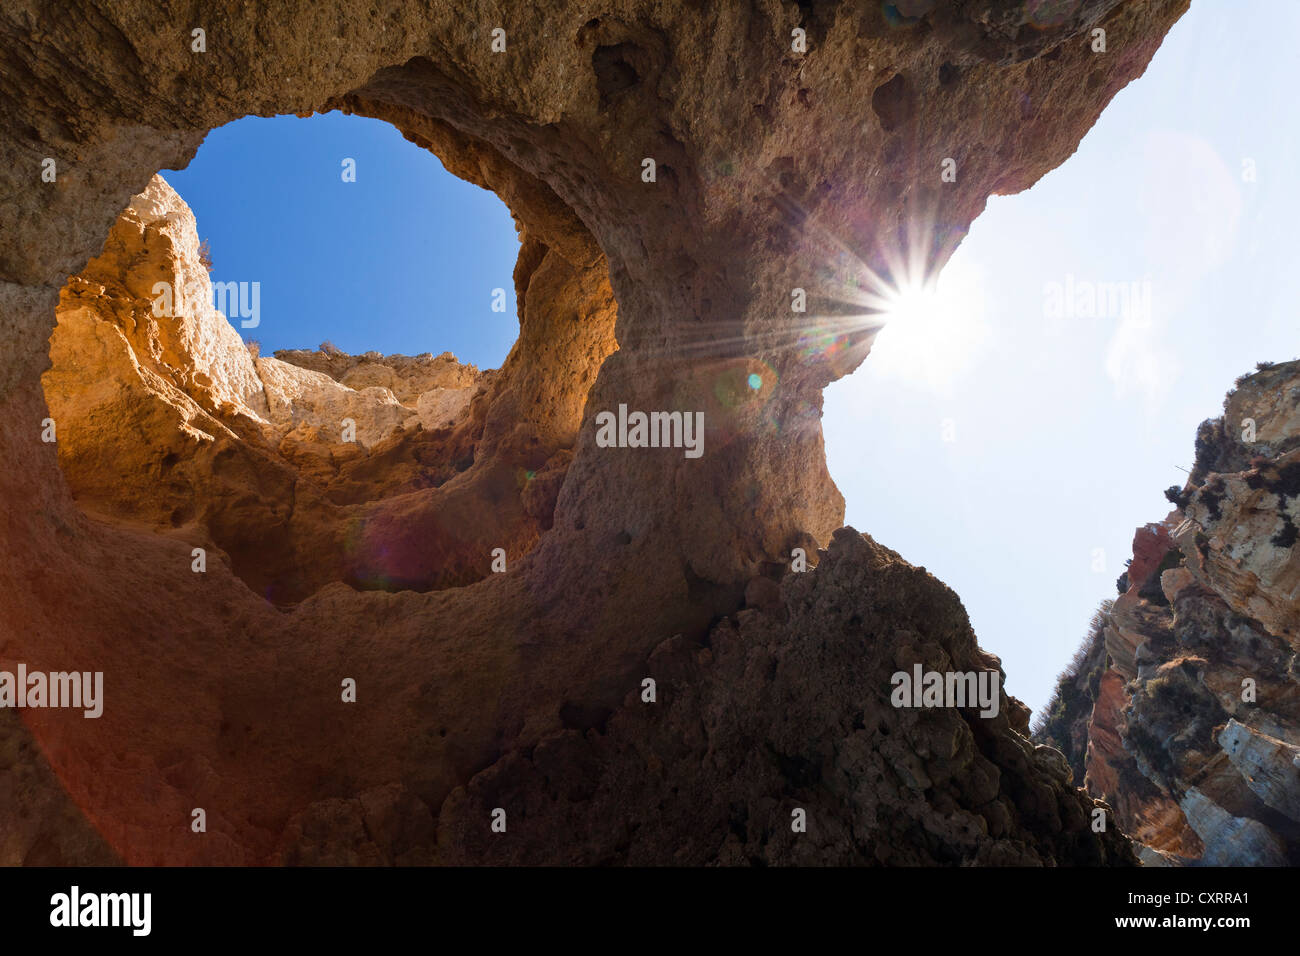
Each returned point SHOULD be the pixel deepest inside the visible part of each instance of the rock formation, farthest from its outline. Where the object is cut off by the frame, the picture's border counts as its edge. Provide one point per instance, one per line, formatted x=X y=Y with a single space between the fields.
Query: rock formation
x=1193 y=731
x=229 y=449
x=772 y=168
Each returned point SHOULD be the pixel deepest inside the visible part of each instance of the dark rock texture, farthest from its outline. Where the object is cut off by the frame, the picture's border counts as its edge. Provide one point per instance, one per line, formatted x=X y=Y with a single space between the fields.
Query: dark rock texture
x=773 y=713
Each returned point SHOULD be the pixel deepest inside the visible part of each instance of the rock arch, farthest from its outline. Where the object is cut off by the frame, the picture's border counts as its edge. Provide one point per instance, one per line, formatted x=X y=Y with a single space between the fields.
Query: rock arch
x=773 y=172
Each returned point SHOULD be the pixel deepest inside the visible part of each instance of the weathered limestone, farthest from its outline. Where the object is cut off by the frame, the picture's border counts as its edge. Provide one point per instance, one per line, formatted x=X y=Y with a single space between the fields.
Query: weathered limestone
x=297 y=397
x=1270 y=767
x=443 y=407
x=1229 y=840
x=1195 y=733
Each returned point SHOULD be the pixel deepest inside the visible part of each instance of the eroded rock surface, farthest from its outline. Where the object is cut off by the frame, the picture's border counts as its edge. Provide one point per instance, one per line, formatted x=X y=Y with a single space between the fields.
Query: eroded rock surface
x=788 y=710
x=1193 y=736
x=775 y=169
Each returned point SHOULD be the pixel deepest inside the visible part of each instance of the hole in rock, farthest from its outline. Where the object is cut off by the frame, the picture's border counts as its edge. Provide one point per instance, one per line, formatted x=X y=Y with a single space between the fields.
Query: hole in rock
x=614 y=73
x=893 y=102
x=296 y=354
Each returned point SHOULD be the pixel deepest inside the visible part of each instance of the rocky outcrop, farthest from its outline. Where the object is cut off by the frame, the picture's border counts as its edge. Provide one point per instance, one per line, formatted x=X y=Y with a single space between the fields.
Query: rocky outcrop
x=691 y=160
x=867 y=774
x=407 y=377
x=321 y=388
x=730 y=751
x=1194 y=736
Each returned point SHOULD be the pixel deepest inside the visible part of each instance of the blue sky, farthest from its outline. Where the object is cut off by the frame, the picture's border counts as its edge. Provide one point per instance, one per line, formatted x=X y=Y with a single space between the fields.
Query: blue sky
x=404 y=259
x=1010 y=452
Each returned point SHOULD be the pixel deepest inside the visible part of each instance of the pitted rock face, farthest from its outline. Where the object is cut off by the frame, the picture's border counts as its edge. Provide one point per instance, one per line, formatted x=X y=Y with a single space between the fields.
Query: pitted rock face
x=1194 y=723
x=774 y=170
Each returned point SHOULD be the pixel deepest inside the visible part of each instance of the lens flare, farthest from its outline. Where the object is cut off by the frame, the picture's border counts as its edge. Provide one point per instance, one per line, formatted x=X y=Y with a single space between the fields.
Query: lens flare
x=933 y=328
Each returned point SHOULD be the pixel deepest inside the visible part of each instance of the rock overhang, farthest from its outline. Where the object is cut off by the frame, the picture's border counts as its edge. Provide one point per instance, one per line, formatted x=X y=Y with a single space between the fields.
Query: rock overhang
x=774 y=169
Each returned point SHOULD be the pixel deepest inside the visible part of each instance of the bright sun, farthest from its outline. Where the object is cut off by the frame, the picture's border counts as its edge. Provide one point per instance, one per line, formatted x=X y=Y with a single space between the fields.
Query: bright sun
x=914 y=303
x=932 y=327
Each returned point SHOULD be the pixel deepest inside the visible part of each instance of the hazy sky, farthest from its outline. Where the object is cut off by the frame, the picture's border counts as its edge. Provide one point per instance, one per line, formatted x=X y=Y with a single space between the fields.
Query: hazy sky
x=1067 y=430
x=1009 y=443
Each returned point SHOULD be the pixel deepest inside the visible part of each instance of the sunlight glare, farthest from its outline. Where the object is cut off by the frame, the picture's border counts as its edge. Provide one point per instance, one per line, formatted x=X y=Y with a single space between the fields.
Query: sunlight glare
x=933 y=328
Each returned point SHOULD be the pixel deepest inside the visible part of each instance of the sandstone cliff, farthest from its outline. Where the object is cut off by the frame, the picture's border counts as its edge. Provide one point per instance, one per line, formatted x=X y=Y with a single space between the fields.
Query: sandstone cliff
x=1193 y=731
